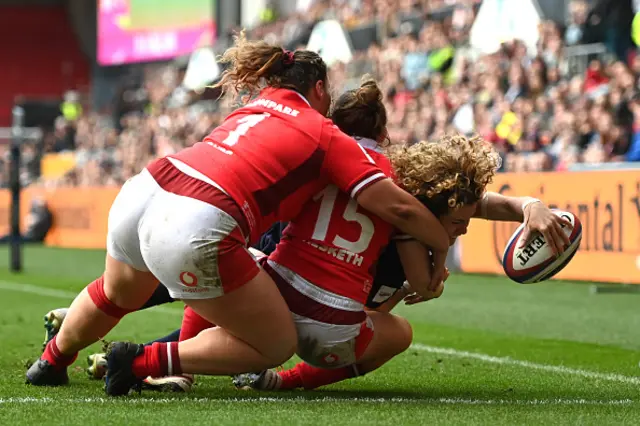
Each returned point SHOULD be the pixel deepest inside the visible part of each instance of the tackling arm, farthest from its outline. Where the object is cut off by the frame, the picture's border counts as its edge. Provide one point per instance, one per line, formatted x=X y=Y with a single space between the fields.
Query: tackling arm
x=399 y=208
x=416 y=262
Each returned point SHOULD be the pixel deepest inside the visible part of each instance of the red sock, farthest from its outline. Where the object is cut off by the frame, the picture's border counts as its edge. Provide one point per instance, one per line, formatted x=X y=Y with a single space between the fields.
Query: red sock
x=158 y=360
x=308 y=377
x=55 y=357
x=192 y=324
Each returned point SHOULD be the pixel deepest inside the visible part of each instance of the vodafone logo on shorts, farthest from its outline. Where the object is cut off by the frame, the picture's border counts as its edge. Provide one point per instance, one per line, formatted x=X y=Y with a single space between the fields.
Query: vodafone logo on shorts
x=330 y=359
x=189 y=279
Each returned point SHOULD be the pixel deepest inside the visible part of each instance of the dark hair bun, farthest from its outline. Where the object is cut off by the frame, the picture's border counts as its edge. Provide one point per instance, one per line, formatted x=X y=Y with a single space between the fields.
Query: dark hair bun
x=368 y=92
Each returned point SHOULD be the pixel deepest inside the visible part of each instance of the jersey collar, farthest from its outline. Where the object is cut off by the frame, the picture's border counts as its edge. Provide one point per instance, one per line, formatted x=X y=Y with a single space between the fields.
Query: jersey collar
x=284 y=94
x=302 y=97
x=368 y=143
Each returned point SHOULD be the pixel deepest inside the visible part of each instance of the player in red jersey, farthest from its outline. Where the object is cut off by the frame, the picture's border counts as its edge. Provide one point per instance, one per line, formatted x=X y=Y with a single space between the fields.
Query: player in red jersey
x=187 y=219
x=392 y=334
x=325 y=261
x=324 y=265
x=449 y=177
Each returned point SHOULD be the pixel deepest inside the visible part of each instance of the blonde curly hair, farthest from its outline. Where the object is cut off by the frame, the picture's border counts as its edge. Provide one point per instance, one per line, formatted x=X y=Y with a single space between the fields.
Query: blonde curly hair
x=447 y=174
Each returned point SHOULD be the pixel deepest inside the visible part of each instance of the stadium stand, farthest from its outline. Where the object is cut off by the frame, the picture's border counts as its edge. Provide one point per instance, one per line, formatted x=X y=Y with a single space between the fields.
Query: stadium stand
x=541 y=111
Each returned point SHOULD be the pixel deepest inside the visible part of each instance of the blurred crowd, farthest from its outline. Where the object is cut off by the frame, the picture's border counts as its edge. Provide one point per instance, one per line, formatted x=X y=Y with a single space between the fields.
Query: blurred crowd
x=155 y=120
x=539 y=114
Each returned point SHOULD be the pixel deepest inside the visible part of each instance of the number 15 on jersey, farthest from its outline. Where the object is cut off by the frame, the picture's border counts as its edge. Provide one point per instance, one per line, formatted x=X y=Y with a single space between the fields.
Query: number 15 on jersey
x=350 y=214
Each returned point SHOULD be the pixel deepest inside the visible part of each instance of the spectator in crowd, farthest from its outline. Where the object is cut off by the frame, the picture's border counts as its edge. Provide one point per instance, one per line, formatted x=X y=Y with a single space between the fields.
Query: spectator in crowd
x=578 y=11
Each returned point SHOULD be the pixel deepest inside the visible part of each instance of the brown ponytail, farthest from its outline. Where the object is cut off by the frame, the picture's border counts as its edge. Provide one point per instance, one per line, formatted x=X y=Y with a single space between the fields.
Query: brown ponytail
x=251 y=64
x=360 y=112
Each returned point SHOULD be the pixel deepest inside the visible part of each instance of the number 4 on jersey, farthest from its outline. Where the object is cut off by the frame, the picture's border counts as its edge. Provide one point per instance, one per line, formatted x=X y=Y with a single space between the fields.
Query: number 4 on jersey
x=350 y=214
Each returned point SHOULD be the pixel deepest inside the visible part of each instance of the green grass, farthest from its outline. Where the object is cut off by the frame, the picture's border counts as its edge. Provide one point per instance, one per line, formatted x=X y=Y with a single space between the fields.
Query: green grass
x=547 y=325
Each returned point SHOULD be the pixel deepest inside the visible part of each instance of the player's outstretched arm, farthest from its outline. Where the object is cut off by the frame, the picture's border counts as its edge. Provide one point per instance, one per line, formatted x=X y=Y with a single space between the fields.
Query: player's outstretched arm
x=533 y=212
x=499 y=207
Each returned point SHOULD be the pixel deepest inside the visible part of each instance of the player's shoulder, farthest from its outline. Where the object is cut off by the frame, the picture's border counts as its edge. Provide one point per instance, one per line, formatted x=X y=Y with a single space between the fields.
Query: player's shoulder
x=332 y=129
x=375 y=152
x=378 y=156
x=385 y=164
x=287 y=104
x=332 y=137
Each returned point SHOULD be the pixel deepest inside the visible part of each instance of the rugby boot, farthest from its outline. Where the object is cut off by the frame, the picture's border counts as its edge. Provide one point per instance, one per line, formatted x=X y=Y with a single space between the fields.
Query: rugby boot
x=266 y=380
x=182 y=383
x=120 y=379
x=52 y=323
x=41 y=373
x=97 y=366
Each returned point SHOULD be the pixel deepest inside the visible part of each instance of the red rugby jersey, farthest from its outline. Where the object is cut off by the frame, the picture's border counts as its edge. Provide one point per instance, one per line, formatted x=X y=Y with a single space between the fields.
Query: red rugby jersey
x=334 y=243
x=272 y=155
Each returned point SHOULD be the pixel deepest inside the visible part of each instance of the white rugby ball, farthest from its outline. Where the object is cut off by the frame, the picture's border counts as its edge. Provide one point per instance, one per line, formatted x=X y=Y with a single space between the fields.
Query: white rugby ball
x=535 y=262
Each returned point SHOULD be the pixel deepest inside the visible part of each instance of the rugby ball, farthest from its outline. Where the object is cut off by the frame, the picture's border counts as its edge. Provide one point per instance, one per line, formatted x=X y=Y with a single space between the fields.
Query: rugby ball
x=535 y=262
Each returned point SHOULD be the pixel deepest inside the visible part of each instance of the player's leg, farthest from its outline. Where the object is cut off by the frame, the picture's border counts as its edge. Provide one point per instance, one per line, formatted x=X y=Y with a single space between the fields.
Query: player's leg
x=327 y=326
x=202 y=260
x=392 y=335
x=99 y=307
x=174 y=336
x=254 y=332
x=94 y=312
x=96 y=363
x=53 y=319
x=125 y=285
x=385 y=336
x=254 y=313
x=192 y=325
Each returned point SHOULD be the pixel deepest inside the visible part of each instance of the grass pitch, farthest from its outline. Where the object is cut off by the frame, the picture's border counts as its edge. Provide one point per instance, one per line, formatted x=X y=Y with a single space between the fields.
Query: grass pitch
x=488 y=352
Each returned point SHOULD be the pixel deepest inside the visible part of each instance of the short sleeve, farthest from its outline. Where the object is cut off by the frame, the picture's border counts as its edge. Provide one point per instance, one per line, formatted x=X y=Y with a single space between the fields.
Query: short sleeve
x=349 y=166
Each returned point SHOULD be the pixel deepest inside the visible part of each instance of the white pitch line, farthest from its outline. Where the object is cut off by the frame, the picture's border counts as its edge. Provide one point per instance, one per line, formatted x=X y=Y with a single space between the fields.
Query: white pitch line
x=320 y=400
x=68 y=295
x=451 y=352
x=40 y=291
x=559 y=369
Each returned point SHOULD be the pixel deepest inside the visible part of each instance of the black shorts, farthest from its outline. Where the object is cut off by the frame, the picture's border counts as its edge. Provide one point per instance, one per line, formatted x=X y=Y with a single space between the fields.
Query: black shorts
x=389 y=277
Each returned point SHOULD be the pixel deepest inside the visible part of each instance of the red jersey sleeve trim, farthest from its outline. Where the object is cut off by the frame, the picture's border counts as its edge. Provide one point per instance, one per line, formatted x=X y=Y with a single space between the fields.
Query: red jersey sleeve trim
x=366 y=182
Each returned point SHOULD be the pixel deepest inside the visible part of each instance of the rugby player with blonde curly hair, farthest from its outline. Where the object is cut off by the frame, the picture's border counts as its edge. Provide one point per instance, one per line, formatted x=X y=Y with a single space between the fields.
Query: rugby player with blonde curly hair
x=449 y=177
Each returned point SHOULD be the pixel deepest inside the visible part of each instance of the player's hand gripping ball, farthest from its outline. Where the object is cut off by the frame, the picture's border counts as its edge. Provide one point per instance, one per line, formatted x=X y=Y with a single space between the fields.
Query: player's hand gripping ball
x=535 y=261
